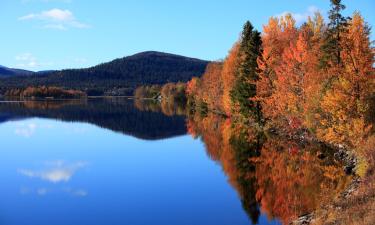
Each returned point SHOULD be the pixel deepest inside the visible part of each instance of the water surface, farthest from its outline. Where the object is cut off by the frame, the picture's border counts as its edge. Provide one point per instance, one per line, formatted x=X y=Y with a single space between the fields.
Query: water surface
x=107 y=162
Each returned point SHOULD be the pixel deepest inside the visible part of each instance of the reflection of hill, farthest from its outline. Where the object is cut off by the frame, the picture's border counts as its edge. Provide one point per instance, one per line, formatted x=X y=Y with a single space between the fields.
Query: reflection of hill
x=115 y=114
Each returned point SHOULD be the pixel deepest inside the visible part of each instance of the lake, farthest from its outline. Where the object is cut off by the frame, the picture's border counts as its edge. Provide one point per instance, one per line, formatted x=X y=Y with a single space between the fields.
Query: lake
x=116 y=161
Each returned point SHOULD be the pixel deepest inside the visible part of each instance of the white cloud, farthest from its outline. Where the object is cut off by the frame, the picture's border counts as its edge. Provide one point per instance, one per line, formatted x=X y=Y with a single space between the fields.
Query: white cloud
x=31 y=62
x=27 y=60
x=55 y=26
x=26 y=130
x=57 y=171
x=57 y=19
x=53 y=14
x=301 y=17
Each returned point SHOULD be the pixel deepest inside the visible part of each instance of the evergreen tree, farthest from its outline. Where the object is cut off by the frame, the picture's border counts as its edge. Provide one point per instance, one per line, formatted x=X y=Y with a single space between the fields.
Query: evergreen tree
x=247 y=73
x=332 y=44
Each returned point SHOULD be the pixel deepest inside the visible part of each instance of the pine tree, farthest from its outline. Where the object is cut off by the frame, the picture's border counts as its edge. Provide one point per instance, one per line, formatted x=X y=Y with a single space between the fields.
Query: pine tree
x=336 y=27
x=247 y=73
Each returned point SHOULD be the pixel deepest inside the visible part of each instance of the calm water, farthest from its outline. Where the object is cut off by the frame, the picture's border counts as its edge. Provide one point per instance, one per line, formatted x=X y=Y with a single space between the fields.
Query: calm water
x=106 y=162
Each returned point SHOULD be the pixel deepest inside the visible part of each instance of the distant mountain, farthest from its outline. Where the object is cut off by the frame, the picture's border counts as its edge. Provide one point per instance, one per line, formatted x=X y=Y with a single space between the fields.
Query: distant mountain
x=8 y=72
x=129 y=72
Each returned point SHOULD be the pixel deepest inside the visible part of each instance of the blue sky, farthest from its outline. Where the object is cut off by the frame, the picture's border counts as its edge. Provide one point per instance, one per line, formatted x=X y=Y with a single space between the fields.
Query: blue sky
x=56 y=34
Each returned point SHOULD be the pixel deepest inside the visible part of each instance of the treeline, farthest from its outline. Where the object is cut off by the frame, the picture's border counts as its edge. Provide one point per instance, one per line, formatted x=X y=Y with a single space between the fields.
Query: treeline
x=171 y=92
x=312 y=82
x=318 y=77
x=45 y=92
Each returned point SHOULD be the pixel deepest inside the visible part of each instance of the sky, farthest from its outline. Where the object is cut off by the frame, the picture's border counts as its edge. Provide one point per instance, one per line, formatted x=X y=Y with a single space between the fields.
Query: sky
x=56 y=34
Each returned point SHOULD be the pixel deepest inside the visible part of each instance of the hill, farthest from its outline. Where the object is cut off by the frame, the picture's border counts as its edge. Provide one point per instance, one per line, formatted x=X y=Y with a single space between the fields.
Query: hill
x=9 y=72
x=125 y=73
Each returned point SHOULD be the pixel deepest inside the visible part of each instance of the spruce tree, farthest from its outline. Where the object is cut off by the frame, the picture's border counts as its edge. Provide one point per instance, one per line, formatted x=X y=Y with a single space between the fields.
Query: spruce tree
x=332 y=44
x=247 y=73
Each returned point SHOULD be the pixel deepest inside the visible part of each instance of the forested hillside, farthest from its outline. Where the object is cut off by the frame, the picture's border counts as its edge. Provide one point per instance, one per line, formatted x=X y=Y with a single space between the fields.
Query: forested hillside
x=124 y=74
x=9 y=72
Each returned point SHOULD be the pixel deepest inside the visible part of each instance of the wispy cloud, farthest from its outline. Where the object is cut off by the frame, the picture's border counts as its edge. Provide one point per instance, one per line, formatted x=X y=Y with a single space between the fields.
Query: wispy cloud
x=27 y=60
x=57 y=19
x=301 y=17
x=57 y=171
x=31 y=62
x=26 y=130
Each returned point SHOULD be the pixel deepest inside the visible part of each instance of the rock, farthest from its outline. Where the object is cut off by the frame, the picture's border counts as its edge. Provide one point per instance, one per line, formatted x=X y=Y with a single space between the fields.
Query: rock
x=303 y=220
x=351 y=188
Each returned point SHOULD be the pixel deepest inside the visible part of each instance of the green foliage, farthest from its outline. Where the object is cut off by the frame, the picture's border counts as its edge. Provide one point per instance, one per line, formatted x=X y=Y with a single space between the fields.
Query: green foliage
x=174 y=92
x=332 y=46
x=45 y=92
x=147 y=92
x=245 y=88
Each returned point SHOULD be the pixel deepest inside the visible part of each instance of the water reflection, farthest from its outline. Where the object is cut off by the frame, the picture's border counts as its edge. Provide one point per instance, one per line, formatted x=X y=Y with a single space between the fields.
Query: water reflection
x=276 y=179
x=55 y=171
x=279 y=177
x=45 y=191
x=116 y=114
x=168 y=108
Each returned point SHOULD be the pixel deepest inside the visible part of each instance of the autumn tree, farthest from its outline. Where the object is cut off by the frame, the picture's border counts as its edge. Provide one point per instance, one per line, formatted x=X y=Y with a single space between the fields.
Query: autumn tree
x=228 y=76
x=212 y=86
x=278 y=36
x=173 y=92
x=345 y=104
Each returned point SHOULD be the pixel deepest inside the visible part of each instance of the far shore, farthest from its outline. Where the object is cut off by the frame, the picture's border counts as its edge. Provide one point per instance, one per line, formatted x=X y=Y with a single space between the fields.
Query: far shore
x=18 y=99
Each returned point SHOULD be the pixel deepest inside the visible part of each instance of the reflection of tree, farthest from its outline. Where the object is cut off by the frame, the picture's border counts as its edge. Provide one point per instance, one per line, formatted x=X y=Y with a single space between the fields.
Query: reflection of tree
x=53 y=104
x=233 y=152
x=147 y=105
x=293 y=181
x=282 y=178
x=243 y=151
x=167 y=107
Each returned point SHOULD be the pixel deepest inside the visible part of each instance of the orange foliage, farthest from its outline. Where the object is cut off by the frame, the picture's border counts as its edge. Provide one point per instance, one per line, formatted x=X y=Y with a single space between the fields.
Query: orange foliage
x=212 y=86
x=296 y=90
x=285 y=181
x=192 y=86
x=345 y=104
x=293 y=181
x=230 y=66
